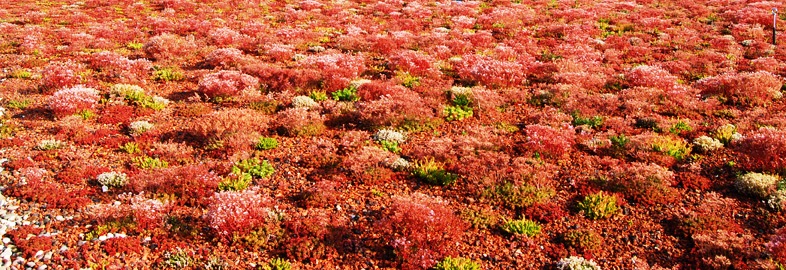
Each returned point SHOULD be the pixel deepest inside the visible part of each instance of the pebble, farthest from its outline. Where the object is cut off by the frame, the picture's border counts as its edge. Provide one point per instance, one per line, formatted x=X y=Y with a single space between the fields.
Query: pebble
x=6 y=255
x=6 y=240
x=48 y=256
x=39 y=255
x=42 y=267
x=31 y=264
x=59 y=218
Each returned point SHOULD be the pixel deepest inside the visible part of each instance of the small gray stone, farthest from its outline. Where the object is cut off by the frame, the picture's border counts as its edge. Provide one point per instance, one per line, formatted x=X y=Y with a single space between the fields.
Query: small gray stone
x=48 y=256
x=59 y=218
x=42 y=267
x=31 y=264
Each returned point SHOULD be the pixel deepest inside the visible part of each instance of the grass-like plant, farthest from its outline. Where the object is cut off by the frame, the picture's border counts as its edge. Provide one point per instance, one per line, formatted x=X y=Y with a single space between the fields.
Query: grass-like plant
x=521 y=227
x=457 y=263
x=149 y=163
x=253 y=167
x=433 y=172
x=347 y=94
x=167 y=74
x=598 y=205
x=266 y=143
x=457 y=113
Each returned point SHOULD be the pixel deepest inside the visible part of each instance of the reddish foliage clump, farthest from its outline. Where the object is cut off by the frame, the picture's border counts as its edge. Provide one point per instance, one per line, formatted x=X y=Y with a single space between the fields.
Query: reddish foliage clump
x=226 y=83
x=71 y=100
x=549 y=141
x=59 y=75
x=53 y=194
x=124 y=245
x=29 y=246
x=192 y=184
x=421 y=230
x=314 y=237
x=763 y=150
x=545 y=212
x=777 y=246
x=237 y=213
x=117 y=114
x=747 y=88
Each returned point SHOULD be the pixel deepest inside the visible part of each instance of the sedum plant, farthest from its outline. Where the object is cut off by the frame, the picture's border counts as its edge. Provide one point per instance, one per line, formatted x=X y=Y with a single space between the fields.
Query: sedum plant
x=46 y=145
x=433 y=172
x=266 y=143
x=577 y=263
x=112 y=179
x=757 y=184
x=139 y=127
x=521 y=227
x=458 y=263
x=707 y=143
x=598 y=205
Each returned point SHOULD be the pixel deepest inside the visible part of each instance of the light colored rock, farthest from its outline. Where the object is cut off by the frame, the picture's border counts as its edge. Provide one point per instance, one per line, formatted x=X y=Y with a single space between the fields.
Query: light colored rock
x=6 y=255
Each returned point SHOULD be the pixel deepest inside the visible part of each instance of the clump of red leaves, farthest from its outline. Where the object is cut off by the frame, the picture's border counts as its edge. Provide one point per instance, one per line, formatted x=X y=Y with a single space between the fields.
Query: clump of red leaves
x=421 y=230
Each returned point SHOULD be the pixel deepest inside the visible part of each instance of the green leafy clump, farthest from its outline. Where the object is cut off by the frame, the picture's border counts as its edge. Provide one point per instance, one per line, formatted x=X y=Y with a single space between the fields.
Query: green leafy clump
x=86 y=114
x=480 y=219
x=408 y=80
x=457 y=264
x=598 y=205
x=390 y=146
x=318 y=95
x=135 y=45
x=592 y=122
x=277 y=264
x=457 y=113
x=679 y=127
x=726 y=134
x=514 y=195
x=235 y=182
x=136 y=96
x=433 y=172
x=620 y=141
x=19 y=104
x=671 y=146
x=130 y=147
x=582 y=240
x=521 y=227
x=254 y=168
x=21 y=74
x=462 y=100
x=149 y=163
x=266 y=143
x=167 y=74
x=347 y=94
x=180 y=259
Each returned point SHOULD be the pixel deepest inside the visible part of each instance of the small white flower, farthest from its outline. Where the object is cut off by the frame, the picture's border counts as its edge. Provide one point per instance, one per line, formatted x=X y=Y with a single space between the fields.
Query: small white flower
x=161 y=100
x=389 y=135
x=400 y=164
x=49 y=145
x=577 y=263
x=112 y=179
x=707 y=143
x=139 y=127
x=304 y=102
